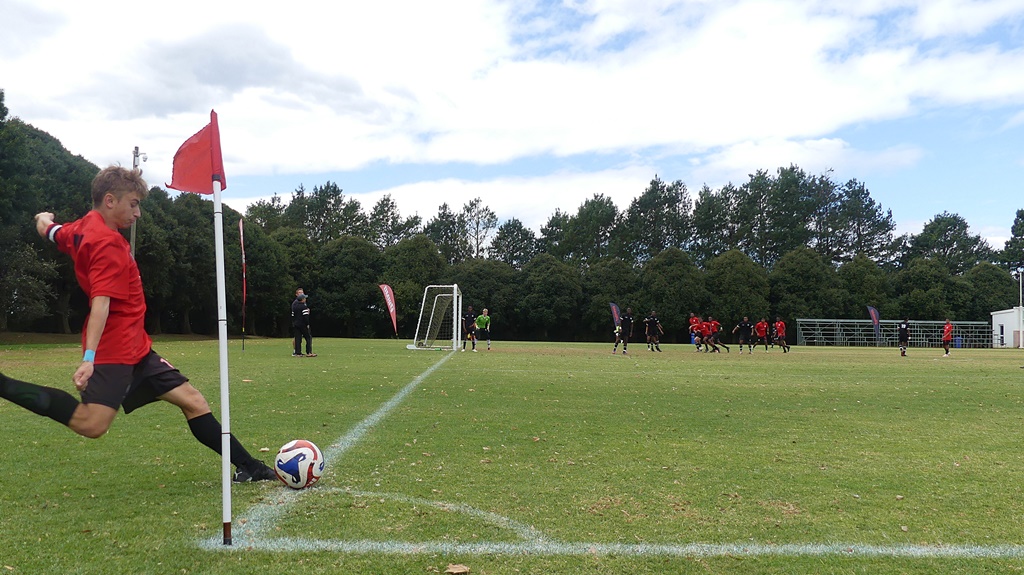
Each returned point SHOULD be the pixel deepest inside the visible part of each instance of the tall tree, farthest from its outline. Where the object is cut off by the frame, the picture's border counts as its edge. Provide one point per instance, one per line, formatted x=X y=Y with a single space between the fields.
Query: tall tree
x=865 y=226
x=449 y=231
x=947 y=238
x=514 y=244
x=552 y=236
x=803 y=284
x=347 y=299
x=267 y=214
x=673 y=286
x=657 y=219
x=550 y=296
x=864 y=283
x=588 y=234
x=386 y=226
x=772 y=214
x=739 y=287
x=1013 y=250
x=993 y=289
x=714 y=228
x=480 y=223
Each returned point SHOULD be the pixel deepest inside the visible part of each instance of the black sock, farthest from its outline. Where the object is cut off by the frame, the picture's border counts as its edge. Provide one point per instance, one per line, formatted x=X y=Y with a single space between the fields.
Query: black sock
x=56 y=404
x=207 y=430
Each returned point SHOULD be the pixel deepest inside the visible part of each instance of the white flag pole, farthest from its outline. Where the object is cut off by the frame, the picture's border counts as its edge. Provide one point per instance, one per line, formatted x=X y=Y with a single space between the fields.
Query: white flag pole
x=222 y=322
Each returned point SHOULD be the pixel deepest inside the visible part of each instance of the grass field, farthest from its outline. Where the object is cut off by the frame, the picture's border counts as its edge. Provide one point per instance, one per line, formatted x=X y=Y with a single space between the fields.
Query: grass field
x=538 y=458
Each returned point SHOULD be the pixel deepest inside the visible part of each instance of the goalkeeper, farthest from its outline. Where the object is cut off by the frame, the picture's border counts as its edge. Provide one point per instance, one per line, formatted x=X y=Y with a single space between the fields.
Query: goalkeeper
x=483 y=327
x=623 y=331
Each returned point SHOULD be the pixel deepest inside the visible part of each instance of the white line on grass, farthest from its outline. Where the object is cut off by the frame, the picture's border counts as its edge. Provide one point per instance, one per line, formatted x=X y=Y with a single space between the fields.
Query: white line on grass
x=261 y=519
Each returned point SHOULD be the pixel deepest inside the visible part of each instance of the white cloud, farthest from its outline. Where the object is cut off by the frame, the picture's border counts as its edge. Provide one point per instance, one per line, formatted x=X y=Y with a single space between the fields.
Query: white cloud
x=322 y=86
x=813 y=156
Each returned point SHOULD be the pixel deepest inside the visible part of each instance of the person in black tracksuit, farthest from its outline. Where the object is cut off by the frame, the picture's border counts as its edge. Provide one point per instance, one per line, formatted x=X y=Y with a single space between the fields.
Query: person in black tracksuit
x=300 y=323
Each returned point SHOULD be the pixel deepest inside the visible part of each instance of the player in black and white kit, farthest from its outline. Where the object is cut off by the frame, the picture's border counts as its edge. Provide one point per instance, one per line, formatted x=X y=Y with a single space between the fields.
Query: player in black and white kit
x=300 y=325
x=904 y=336
x=624 y=331
x=654 y=331
x=746 y=330
x=469 y=328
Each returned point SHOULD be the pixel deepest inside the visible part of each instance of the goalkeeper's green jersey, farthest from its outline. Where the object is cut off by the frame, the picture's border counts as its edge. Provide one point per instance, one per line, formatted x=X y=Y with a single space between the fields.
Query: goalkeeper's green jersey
x=483 y=322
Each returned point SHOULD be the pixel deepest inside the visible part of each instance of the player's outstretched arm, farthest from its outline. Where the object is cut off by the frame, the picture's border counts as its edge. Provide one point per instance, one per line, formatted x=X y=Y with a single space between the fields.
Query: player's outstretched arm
x=43 y=222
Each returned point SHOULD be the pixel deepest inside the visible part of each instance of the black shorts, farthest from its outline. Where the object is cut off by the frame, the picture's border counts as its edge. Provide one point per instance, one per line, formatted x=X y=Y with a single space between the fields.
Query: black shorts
x=482 y=333
x=132 y=386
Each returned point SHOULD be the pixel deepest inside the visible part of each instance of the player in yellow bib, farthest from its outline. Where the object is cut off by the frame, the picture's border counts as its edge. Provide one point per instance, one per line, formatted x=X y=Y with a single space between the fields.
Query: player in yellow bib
x=483 y=327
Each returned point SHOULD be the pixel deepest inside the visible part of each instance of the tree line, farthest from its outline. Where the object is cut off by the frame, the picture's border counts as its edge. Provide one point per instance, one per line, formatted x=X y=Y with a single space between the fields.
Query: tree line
x=782 y=243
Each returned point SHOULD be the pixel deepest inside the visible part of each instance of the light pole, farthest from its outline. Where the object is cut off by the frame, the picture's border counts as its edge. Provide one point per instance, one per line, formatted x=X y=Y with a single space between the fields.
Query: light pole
x=1020 y=308
x=135 y=165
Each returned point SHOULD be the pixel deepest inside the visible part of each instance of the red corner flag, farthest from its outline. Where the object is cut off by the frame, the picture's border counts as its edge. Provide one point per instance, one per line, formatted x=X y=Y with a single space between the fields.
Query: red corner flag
x=198 y=162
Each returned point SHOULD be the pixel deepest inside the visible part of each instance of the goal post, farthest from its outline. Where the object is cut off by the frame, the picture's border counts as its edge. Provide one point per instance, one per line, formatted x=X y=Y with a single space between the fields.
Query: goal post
x=438 y=325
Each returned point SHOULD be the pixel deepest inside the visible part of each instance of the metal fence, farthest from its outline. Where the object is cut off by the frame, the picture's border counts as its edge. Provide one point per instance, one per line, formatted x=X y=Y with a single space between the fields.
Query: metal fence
x=861 y=332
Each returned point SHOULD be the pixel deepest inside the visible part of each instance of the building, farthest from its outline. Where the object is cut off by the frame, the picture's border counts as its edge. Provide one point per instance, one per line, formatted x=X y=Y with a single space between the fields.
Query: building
x=1007 y=326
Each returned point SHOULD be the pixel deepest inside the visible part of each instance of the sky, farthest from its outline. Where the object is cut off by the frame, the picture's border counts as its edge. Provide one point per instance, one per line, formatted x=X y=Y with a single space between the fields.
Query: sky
x=537 y=105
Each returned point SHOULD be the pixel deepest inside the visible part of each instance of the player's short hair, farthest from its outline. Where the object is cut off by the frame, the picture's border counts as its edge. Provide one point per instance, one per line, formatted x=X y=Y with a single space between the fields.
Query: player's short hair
x=118 y=181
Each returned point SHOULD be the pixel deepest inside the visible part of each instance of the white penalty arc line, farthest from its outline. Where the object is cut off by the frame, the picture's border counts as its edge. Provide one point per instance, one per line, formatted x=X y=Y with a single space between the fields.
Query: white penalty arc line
x=262 y=517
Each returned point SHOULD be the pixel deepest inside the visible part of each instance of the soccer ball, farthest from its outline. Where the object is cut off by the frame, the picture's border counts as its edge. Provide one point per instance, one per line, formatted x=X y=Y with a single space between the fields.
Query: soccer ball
x=299 y=464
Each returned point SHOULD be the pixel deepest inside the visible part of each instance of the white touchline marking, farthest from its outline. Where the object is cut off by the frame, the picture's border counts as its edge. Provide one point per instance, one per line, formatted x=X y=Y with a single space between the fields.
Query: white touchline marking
x=261 y=517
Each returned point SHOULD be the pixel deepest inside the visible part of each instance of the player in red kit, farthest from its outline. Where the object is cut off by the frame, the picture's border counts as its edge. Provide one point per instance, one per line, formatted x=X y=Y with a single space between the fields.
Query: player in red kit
x=761 y=332
x=119 y=369
x=716 y=333
x=780 y=334
x=947 y=336
x=695 y=329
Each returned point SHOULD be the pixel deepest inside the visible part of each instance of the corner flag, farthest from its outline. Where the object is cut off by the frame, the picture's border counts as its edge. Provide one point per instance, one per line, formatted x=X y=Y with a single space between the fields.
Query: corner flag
x=197 y=165
x=198 y=162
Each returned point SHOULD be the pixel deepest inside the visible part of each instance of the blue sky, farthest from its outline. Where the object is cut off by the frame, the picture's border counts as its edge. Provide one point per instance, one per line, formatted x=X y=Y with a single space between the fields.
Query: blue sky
x=535 y=106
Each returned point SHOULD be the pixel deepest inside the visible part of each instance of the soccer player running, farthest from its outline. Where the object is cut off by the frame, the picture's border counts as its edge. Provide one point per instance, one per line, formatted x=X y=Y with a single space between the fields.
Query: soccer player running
x=761 y=331
x=695 y=329
x=705 y=336
x=469 y=328
x=903 y=336
x=119 y=368
x=483 y=328
x=654 y=331
x=624 y=331
x=780 y=334
x=745 y=330
x=716 y=334
x=947 y=336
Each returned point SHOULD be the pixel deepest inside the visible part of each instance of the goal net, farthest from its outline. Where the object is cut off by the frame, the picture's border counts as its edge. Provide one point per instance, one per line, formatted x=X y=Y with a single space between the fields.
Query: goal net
x=438 y=325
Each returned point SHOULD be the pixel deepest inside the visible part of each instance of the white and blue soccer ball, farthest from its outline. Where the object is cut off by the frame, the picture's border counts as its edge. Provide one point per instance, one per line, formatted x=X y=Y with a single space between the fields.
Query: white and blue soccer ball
x=299 y=464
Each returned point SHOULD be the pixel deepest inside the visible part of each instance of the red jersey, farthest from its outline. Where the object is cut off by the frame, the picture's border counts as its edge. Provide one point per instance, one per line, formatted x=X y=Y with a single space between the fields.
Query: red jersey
x=104 y=267
x=694 y=324
x=780 y=329
x=947 y=332
x=761 y=329
x=715 y=326
x=705 y=329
